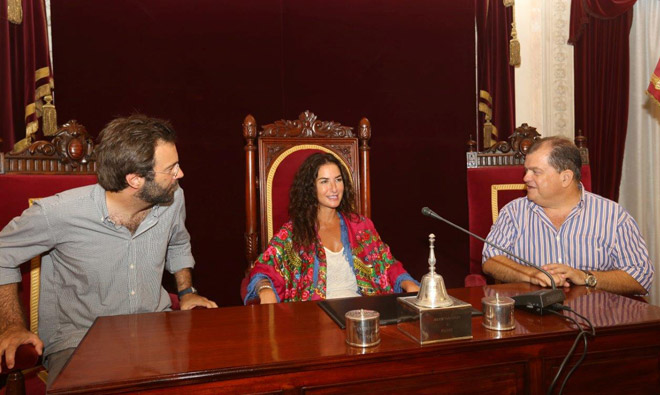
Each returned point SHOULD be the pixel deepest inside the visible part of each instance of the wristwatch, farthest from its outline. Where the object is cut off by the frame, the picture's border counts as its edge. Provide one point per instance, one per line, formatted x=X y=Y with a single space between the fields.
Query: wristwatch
x=590 y=280
x=189 y=290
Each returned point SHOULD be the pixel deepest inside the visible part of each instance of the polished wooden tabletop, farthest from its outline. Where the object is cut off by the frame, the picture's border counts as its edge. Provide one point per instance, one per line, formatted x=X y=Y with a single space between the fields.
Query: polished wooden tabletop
x=235 y=342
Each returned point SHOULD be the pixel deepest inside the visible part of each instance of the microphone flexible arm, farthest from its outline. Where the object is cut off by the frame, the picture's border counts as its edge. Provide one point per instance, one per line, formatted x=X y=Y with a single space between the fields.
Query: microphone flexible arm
x=430 y=213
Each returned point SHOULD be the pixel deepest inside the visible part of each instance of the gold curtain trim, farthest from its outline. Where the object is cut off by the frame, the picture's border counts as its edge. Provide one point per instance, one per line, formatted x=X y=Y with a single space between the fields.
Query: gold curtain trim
x=652 y=97
x=42 y=91
x=29 y=110
x=15 y=11
x=483 y=107
x=655 y=81
x=486 y=96
x=493 y=195
x=30 y=129
x=271 y=175
x=655 y=84
x=42 y=73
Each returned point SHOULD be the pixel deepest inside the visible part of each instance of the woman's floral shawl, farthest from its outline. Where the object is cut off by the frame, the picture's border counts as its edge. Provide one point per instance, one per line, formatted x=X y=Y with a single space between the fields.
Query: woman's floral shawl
x=300 y=274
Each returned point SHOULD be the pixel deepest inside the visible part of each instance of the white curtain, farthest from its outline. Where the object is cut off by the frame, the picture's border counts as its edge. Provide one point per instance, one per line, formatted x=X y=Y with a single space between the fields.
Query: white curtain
x=640 y=182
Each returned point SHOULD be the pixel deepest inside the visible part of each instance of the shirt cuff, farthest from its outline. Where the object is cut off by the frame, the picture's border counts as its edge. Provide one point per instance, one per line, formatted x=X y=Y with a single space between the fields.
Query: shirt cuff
x=178 y=263
x=10 y=275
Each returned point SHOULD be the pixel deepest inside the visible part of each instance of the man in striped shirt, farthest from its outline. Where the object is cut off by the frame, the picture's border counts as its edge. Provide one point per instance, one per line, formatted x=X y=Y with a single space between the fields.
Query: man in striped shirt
x=578 y=237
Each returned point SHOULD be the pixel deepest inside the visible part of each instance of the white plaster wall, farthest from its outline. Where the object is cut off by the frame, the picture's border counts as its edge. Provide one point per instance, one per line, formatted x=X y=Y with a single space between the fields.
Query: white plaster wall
x=544 y=80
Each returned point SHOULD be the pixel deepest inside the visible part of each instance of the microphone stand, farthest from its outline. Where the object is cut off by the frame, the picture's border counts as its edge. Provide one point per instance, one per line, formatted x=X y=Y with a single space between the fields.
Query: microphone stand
x=537 y=302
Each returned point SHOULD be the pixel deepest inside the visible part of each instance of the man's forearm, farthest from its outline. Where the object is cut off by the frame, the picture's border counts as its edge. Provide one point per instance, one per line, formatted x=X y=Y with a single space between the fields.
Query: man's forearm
x=183 y=279
x=618 y=281
x=10 y=308
x=506 y=270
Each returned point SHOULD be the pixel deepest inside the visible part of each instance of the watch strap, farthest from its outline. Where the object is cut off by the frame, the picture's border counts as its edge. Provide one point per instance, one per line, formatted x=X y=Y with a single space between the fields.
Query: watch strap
x=187 y=291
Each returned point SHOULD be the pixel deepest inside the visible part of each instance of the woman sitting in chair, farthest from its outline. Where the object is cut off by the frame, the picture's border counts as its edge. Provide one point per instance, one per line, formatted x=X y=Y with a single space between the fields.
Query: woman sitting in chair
x=326 y=250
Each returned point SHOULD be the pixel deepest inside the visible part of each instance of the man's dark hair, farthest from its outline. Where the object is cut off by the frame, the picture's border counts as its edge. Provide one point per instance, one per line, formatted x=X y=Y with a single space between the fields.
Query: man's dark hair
x=127 y=146
x=303 y=200
x=564 y=155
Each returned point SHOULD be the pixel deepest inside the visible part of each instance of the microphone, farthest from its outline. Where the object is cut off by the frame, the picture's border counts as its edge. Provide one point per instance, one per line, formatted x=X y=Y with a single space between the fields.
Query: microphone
x=536 y=302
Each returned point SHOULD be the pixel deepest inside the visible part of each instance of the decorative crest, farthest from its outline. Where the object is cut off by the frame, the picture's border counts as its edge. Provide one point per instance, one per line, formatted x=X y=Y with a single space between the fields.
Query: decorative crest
x=70 y=148
x=519 y=142
x=306 y=126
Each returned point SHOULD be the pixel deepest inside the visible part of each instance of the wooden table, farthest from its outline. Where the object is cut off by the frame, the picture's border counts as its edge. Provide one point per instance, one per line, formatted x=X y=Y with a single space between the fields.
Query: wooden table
x=296 y=348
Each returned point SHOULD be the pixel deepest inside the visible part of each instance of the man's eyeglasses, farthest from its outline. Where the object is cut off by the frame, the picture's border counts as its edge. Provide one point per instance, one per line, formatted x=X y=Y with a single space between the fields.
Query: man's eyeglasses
x=174 y=172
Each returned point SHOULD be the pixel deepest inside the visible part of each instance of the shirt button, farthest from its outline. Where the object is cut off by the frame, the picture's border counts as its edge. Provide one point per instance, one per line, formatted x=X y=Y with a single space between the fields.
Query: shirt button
x=132 y=292
x=559 y=260
x=132 y=266
x=557 y=237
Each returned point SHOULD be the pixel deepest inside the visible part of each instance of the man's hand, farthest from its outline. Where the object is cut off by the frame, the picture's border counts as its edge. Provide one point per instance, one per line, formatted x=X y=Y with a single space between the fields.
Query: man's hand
x=409 y=286
x=12 y=338
x=558 y=270
x=190 y=301
x=539 y=278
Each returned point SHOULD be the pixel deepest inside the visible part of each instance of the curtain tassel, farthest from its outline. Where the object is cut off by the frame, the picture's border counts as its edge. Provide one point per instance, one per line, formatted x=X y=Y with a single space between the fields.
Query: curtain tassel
x=490 y=134
x=514 y=44
x=15 y=11
x=49 y=117
x=514 y=47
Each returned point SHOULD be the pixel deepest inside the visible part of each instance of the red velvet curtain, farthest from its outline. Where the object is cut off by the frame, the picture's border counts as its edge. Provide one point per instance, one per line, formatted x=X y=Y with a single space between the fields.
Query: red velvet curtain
x=495 y=76
x=25 y=72
x=599 y=31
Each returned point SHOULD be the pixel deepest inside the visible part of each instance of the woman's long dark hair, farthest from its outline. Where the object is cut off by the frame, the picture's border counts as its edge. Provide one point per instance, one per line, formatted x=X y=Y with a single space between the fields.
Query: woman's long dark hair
x=303 y=201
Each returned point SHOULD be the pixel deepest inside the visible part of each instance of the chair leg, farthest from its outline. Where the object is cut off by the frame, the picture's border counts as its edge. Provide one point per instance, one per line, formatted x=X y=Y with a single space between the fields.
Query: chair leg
x=15 y=384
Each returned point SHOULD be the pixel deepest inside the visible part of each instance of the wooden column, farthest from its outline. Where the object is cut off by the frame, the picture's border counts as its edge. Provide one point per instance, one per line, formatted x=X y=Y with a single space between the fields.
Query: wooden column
x=251 y=236
x=364 y=134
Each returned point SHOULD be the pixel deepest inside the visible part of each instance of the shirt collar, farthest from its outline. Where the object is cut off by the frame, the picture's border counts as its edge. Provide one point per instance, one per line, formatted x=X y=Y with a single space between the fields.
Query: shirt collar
x=538 y=209
x=98 y=195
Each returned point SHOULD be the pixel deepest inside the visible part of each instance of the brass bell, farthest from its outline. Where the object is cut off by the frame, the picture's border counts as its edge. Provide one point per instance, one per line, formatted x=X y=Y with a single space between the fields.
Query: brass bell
x=432 y=292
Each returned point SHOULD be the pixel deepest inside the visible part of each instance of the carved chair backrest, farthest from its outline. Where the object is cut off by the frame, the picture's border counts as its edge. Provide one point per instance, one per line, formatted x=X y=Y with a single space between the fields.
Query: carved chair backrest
x=274 y=154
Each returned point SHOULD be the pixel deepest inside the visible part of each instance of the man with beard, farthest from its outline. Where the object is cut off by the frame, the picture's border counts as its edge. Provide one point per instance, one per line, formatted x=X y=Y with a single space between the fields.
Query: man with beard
x=106 y=245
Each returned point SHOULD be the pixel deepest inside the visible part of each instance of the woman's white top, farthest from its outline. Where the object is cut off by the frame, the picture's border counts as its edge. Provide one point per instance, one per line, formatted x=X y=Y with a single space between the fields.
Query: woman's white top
x=340 y=279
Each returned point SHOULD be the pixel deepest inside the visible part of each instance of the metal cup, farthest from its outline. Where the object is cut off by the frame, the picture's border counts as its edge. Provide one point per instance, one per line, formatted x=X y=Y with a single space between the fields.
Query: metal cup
x=362 y=328
x=498 y=313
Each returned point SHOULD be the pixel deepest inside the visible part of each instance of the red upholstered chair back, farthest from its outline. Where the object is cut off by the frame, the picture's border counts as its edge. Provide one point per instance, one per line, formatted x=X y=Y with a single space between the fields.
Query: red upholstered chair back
x=282 y=147
x=494 y=178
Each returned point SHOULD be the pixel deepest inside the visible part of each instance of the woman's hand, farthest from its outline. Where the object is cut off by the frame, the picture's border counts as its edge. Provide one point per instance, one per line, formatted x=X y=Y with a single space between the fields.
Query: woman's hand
x=267 y=296
x=409 y=286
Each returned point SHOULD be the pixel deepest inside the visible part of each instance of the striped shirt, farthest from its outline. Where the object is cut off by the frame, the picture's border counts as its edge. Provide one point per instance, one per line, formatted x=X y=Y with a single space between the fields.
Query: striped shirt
x=93 y=267
x=597 y=234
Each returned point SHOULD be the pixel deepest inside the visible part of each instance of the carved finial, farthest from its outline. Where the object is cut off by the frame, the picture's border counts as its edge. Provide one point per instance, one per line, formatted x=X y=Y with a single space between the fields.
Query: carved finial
x=364 y=132
x=432 y=260
x=249 y=127
x=580 y=139
x=471 y=144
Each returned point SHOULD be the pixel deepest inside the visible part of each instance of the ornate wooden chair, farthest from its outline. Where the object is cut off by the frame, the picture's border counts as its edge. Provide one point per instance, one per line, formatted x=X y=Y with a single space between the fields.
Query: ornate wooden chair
x=273 y=155
x=494 y=178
